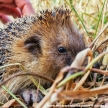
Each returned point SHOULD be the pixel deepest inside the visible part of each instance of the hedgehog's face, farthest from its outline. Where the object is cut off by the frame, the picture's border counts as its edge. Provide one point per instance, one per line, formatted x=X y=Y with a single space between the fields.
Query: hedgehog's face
x=52 y=55
x=57 y=48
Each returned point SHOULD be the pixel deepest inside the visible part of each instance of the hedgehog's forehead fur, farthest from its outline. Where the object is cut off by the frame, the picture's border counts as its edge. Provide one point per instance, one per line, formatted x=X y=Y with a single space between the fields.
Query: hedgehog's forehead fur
x=57 y=16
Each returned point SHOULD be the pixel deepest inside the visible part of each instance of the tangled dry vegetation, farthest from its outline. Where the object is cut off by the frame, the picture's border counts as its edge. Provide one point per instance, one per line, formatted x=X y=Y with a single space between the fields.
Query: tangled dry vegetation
x=84 y=86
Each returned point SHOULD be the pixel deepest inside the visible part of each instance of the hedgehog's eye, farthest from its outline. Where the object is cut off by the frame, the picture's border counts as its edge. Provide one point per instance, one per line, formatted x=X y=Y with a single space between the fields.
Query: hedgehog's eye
x=62 y=50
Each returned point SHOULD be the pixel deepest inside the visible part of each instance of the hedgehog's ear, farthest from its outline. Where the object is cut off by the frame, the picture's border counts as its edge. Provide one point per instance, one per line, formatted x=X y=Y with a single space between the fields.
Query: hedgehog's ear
x=32 y=44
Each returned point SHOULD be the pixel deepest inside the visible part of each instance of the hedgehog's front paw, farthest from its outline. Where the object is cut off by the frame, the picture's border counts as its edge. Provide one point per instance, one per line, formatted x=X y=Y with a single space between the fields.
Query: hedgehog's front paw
x=31 y=96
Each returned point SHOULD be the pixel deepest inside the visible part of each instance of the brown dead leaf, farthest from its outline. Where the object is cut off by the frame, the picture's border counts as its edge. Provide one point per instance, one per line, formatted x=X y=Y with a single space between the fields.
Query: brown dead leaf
x=10 y=103
x=82 y=94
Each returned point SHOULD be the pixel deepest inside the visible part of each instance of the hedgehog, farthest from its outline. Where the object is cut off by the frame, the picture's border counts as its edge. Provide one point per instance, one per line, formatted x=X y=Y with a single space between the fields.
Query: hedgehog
x=43 y=43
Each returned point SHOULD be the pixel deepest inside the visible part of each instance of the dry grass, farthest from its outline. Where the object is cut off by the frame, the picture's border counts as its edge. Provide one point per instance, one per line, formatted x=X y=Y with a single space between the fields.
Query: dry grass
x=91 y=17
x=92 y=13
